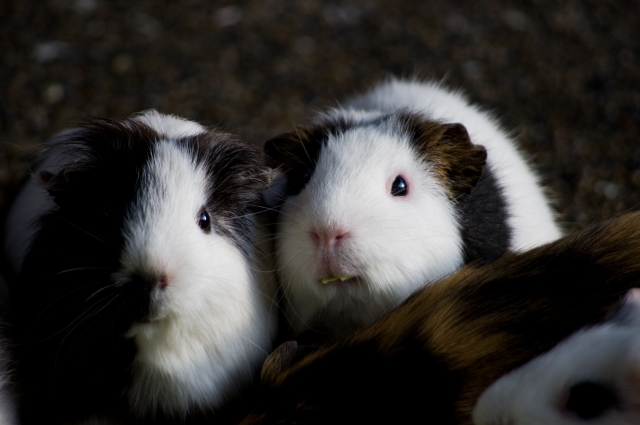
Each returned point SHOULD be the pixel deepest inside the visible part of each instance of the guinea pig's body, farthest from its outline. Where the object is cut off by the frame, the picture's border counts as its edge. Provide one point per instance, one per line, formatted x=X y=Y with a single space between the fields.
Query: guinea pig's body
x=429 y=360
x=590 y=378
x=140 y=291
x=389 y=193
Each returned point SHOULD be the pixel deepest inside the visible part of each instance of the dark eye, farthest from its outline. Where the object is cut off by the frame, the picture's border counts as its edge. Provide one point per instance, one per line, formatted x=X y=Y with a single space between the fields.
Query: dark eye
x=205 y=221
x=399 y=187
x=588 y=400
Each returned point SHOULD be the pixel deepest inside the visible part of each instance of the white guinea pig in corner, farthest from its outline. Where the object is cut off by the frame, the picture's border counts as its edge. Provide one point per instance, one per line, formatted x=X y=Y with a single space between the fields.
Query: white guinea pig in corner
x=140 y=292
x=390 y=192
x=590 y=378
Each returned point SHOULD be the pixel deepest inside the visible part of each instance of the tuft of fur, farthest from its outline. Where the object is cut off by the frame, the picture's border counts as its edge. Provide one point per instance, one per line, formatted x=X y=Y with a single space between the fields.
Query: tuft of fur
x=590 y=378
x=471 y=196
x=432 y=357
x=7 y=399
x=125 y=306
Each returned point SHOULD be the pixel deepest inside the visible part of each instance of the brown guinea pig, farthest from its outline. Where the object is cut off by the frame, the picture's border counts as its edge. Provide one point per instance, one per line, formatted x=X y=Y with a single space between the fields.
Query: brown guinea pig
x=429 y=360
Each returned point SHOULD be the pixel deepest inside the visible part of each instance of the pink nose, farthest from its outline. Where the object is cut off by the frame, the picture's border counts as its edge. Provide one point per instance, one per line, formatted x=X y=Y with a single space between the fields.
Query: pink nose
x=163 y=282
x=328 y=238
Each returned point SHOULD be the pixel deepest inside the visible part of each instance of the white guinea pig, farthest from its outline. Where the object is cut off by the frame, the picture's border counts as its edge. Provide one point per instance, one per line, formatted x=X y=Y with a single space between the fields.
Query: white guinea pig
x=590 y=378
x=390 y=192
x=140 y=291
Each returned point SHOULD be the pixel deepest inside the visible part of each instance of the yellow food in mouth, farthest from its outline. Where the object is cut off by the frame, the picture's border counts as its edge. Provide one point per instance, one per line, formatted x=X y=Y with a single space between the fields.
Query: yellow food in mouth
x=330 y=279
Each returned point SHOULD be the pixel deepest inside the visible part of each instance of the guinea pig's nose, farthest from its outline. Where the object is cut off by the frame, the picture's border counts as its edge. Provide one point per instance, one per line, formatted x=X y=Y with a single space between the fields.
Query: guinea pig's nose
x=328 y=238
x=150 y=281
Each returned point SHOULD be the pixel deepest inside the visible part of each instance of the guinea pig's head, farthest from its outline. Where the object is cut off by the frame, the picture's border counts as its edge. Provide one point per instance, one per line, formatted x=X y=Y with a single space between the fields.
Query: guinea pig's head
x=368 y=213
x=593 y=378
x=153 y=234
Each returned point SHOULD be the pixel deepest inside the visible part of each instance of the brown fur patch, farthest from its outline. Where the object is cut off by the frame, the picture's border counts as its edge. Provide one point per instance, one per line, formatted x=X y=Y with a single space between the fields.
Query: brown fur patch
x=434 y=355
x=456 y=161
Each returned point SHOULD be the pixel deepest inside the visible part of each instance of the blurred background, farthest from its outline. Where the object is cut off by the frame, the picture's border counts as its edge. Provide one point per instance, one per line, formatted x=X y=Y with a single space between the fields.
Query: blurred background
x=562 y=76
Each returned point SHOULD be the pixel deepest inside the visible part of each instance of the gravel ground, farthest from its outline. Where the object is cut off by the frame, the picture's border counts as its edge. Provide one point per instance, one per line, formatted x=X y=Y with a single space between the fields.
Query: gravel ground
x=564 y=76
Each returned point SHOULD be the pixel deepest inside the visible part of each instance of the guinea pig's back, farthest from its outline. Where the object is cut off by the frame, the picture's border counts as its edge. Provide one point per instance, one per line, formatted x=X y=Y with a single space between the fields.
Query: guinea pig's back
x=530 y=216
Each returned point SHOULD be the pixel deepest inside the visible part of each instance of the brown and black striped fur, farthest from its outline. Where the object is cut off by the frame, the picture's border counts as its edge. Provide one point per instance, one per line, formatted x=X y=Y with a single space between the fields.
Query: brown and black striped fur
x=429 y=360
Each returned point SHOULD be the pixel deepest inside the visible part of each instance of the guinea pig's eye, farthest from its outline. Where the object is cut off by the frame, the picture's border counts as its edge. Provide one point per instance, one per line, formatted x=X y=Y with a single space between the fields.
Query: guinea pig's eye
x=205 y=221
x=399 y=187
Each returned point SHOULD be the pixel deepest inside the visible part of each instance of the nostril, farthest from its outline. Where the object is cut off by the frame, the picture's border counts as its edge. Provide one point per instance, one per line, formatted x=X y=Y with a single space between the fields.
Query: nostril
x=163 y=282
x=341 y=236
x=338 y=238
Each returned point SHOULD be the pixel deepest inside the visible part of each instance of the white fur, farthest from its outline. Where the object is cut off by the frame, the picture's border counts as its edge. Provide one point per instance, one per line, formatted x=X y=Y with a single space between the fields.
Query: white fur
x=395 y=244
x=536 y=393
x=170 y=126
x=215 y=316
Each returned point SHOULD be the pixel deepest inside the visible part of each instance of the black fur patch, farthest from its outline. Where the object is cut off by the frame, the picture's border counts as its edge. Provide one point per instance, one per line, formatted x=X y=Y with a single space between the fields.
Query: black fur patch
x=483 y=215
x=296 y=153
x=236 y=174
x=70 y=317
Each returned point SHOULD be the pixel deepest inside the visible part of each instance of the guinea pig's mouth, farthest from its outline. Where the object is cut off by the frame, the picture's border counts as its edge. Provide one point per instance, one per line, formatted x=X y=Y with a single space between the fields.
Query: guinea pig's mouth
x=339 y=279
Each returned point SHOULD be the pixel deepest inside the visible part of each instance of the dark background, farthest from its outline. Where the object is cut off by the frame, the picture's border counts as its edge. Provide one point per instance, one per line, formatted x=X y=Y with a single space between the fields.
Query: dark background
x=563 y=76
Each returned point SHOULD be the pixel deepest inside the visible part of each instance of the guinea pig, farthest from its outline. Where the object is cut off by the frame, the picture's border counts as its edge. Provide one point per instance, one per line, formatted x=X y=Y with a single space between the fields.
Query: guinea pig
x=429 y=360
x=141 y=292
x=396 y=189
x=590 y=378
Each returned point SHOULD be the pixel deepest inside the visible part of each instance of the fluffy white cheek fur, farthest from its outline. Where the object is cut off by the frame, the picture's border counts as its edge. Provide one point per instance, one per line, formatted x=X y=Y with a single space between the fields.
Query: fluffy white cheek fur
x=394 y=244
x=537 y=392
x=215 y=321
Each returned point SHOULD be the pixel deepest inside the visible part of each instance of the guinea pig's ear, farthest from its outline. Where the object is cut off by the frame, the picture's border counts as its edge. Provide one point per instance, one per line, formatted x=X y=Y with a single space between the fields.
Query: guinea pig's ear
x=448 y=147
x=282 y=358
x=279 y=149
x=56 y=184
x=289 y=151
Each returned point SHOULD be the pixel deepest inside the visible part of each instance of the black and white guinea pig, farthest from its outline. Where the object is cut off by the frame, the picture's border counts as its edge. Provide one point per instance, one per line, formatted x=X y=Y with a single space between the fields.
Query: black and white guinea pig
x=140 y=288
x=395 y=189
x=591 y=378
